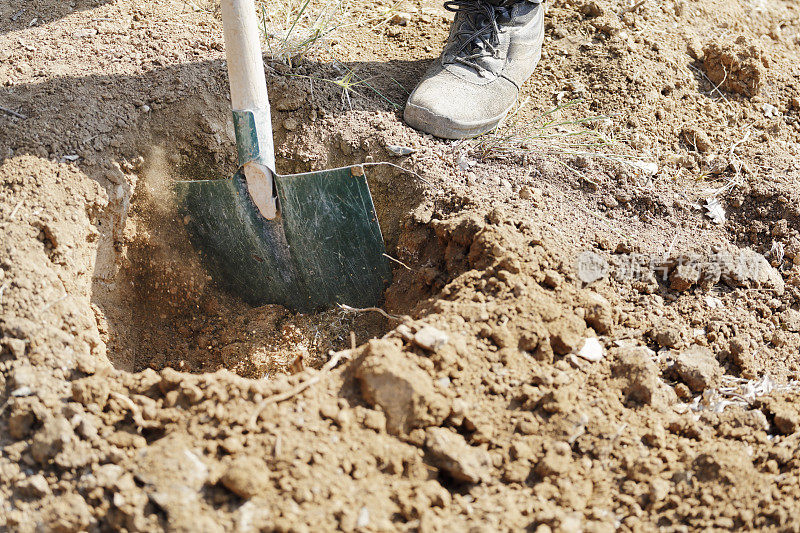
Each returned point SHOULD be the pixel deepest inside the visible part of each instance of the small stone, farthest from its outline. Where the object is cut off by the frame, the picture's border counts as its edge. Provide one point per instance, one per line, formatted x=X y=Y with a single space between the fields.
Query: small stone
x=232 y=445
x=363 y=518
x=290 y=124
x=683 y=392
x=404 y=331
x=592 y=350
x=450 y=452
x=400 y=18
x=430 y=338
x=246 y=477
x=698 y=368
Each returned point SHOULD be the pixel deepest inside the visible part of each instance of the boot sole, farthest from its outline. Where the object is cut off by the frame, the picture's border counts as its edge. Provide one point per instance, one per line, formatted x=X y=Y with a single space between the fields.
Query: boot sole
x=422 y=119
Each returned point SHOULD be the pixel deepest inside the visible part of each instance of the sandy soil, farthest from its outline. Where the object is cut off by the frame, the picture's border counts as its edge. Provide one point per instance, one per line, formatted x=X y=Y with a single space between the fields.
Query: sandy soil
x=594 y=322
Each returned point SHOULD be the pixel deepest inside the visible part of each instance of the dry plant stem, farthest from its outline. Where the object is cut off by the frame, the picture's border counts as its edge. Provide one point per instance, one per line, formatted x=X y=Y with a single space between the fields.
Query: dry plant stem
x=14 y=211
x=12 y=113
x=375 y=309
x=336 y=358
x=395 y=260
x=377 y=163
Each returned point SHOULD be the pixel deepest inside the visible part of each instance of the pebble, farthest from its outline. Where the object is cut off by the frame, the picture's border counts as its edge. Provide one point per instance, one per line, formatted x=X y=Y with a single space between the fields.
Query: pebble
x=592 y=350
x=400 y=18
x=431 y=338
x=363 y=518
x=290 y=124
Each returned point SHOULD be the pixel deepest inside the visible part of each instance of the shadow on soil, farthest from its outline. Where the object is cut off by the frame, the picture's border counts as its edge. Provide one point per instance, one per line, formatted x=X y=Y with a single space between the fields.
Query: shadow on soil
x=21 y=15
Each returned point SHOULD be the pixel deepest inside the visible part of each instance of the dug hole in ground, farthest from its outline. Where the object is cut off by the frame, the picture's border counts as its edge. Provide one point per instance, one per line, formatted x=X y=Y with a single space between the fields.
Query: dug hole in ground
x=593 y=323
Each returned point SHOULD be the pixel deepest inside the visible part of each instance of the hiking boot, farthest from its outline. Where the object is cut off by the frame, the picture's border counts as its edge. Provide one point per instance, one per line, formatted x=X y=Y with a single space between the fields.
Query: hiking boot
x=492 y=49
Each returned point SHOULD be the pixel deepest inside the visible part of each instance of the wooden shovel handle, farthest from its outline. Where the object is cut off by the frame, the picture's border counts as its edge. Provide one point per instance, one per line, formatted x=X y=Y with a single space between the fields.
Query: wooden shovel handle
x=249 y=94
x=243 y=49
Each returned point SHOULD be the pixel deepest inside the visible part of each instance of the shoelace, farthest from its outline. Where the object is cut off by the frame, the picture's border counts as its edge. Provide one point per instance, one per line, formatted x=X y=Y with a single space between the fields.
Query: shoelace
x=478 y=34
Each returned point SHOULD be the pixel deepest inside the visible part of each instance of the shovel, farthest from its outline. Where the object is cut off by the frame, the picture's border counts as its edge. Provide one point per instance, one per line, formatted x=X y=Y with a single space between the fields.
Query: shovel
x=305 y=241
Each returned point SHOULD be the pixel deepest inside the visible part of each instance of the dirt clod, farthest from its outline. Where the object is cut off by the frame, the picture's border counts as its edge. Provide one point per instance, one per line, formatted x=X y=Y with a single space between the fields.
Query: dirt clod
x=599 y=314
x=54 y=435
x=450 y=452
x=392 y=380
x=566 y=334
x=642 y=381
x=698 y=368
x=246 y=477
x=737 y=66
x=34 y=486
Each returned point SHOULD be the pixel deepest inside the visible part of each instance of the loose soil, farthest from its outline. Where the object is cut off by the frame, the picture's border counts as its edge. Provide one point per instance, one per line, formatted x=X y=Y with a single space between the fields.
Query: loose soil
x=655 y=214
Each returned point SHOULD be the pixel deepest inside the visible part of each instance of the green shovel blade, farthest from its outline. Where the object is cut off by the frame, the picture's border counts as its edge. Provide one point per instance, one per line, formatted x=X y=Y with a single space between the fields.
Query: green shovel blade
x=324 y=248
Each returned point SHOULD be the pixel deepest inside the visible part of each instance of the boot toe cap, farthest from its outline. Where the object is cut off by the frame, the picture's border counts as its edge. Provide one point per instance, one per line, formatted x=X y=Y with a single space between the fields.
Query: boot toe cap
x=447 y=106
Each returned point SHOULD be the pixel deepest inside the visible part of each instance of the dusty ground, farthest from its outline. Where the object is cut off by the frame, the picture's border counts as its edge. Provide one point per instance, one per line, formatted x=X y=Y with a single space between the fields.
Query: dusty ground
x=656 y=211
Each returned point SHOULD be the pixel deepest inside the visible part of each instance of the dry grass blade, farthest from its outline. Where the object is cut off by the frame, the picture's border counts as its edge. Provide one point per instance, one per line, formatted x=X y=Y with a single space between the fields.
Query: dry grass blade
x=547 y=133
x=553 y=135
x=296 y=28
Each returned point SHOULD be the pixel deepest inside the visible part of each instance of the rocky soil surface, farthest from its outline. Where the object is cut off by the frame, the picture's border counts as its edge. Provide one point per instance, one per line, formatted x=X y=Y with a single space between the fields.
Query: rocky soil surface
x=594 y=322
